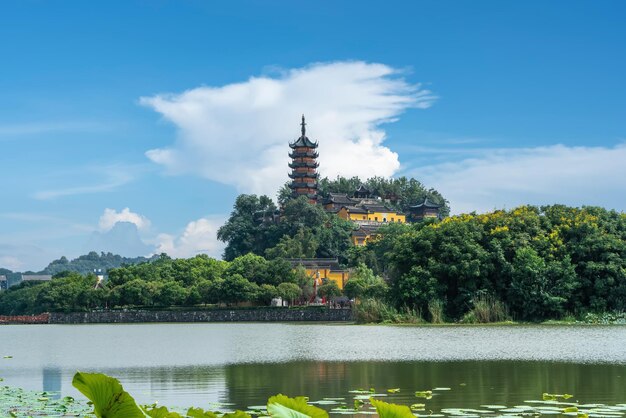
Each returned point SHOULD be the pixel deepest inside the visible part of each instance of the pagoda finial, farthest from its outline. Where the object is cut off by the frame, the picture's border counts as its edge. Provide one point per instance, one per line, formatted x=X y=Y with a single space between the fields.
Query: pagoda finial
x=303 y=124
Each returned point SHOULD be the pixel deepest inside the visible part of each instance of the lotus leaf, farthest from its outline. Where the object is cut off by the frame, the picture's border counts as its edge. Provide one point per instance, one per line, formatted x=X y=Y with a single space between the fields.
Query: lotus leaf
x=109 y=398
x=389 y=410
x=428 y=394
x=281 y=406
x=236 y=414
x=200 y=413
x=161 y=412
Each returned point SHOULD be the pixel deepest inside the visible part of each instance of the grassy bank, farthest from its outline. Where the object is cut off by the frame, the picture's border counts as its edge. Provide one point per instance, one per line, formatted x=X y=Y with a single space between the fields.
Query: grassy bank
x=486 y=311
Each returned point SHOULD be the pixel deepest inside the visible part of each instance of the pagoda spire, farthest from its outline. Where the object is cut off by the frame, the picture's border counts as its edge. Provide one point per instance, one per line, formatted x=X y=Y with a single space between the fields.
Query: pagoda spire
x=303 y=124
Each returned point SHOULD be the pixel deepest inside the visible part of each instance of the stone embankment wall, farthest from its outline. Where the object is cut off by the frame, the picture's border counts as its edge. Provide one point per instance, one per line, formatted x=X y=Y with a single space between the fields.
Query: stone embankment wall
x=217 y=315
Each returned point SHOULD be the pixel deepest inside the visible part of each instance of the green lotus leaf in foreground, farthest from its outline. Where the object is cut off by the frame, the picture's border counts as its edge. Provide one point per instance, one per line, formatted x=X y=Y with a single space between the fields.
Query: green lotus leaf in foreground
x=281 y=406
x=389 y=410
x=236 y=414
x=109 y=398
x=161 y=412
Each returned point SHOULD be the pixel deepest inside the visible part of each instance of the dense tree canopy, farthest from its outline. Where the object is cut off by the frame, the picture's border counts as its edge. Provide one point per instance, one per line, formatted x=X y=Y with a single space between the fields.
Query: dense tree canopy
x=541 y=262
x=530 y=263
x=304 y=230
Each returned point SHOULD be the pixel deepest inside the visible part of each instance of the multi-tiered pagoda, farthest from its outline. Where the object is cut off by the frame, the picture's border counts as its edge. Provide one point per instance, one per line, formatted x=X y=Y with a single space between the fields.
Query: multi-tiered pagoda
x=303 y=166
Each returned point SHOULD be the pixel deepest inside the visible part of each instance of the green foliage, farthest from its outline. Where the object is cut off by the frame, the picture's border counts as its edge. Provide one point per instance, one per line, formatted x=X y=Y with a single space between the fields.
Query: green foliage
x=435 y=309
x=109 y=398
x=364 y=283
x=281 y=406
x=329 y=289
x=86 y=264
x=289 y=291
x=164 y=282
x=486 y=309
x=389 y=410
x=539 y=262
x=245 y=232
x=376 y=310
x=400 y=192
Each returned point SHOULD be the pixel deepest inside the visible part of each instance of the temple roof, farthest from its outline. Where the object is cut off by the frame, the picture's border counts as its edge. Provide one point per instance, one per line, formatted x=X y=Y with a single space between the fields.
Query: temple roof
x=315 y=263
x=340 y=198
x=365 y=230
x=362 y=190
x=297 y=174
x=303 y=141
x=303 y=185
x=377 y=208
x=297 y=154
x=426 y=203
x=306 y=164
x=355 y=209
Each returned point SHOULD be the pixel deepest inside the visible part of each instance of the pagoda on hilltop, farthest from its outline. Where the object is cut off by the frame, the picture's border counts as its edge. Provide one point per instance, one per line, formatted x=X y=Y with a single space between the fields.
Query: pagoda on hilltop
x=304 y=166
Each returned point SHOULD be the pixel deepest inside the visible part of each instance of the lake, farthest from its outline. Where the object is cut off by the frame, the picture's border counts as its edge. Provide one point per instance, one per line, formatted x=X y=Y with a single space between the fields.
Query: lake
x=243 y=364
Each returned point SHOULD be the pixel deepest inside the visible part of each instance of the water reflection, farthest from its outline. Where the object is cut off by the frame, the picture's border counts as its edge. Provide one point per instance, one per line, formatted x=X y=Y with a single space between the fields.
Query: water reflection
x=197 y=364
x=472 y=383
x=51 y=382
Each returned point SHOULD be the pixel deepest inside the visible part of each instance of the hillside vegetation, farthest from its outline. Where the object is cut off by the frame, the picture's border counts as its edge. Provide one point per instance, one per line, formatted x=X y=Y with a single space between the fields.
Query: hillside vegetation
x=528 y=264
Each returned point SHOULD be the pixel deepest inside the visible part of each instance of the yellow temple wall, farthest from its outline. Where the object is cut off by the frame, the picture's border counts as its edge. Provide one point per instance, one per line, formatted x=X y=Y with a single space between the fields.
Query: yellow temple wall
x=386 y=217
x=339 y=277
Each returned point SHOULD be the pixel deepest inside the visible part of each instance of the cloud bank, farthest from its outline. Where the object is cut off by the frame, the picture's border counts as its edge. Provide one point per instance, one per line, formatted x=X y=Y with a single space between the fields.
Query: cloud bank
x=237 y=134
x=129 y=233
x=199 y=237
x=110 y=217
x=506 y=178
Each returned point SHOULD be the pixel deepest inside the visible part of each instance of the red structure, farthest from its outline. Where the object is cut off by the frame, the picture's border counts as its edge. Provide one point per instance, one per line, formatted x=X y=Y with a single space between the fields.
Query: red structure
x=304 y=166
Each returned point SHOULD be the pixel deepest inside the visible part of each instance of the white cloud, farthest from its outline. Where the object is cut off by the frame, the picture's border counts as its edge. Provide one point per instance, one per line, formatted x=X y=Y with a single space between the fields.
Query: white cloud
x=110 y=217
x=238 y=133
x=506 y=178
x=199 y=237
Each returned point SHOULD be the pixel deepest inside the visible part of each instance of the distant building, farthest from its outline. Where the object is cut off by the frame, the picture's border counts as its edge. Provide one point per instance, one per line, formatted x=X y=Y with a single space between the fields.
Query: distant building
x=368 y=213
x=36 y=277
x=322 y=268
x=424 y=210
x=4 y=283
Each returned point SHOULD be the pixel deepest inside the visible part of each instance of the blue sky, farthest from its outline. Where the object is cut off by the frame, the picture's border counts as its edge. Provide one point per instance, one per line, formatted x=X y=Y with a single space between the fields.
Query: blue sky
x=169 y=108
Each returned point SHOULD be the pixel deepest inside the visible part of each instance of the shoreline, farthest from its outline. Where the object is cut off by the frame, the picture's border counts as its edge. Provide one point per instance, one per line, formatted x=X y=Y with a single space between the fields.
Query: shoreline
x=253 y=315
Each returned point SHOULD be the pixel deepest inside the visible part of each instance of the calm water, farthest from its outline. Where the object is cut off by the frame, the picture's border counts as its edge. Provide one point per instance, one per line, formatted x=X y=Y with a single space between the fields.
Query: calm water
x=243 y=364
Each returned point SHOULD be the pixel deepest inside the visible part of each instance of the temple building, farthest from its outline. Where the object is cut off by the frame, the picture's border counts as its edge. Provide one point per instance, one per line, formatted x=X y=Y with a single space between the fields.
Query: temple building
x=424 y=210
x=366 y=211
x=321 y=269
x=303 y=166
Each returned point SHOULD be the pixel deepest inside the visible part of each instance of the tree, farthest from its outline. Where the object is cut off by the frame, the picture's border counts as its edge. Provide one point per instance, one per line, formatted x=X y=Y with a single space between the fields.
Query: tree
x=245 y=231
x=354 y=288
x=266 y=293
x=329 y=290
x=289 y=291
x=364 y=283
x=236 y=289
